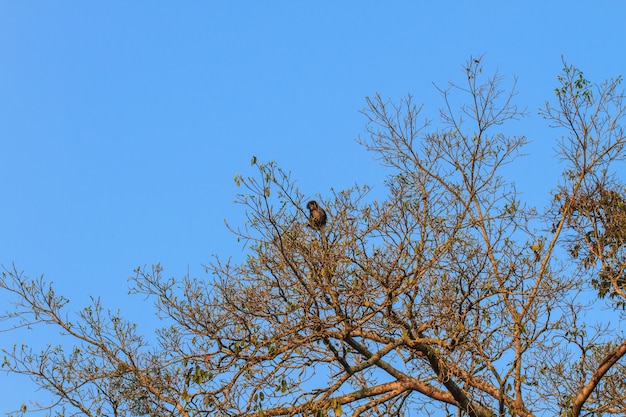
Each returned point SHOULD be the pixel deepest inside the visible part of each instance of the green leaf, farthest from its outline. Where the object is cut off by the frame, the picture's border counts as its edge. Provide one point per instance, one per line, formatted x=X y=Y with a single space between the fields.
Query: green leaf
x=336 y=406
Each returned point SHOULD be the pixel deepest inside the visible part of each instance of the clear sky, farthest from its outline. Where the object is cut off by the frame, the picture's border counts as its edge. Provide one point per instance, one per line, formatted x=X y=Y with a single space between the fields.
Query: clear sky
x=123 y=123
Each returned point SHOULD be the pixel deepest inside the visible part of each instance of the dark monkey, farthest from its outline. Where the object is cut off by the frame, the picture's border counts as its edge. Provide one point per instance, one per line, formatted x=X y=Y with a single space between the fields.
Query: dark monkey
x=317 y=215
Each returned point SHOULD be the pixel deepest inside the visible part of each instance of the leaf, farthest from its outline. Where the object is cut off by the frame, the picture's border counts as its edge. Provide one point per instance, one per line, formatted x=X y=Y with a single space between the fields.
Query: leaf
x=336 y=406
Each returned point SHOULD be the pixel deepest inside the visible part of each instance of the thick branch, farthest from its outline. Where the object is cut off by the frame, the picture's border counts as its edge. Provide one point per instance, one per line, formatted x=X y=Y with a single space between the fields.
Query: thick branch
x=606 y=364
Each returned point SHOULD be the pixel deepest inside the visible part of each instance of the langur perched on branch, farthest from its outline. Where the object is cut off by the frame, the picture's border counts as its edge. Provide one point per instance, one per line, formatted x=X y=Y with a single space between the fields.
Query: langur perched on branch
x=317 y=215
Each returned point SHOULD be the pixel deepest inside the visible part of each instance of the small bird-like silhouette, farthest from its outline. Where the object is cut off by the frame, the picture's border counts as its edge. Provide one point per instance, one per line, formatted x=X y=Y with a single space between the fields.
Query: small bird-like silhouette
x=317 y=215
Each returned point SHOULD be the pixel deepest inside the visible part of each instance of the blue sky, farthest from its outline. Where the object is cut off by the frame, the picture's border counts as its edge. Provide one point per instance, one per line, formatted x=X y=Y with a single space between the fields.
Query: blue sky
x=122 y=124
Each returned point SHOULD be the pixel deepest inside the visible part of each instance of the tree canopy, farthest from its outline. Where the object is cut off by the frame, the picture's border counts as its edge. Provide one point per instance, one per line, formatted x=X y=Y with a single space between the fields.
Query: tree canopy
x=450 y=296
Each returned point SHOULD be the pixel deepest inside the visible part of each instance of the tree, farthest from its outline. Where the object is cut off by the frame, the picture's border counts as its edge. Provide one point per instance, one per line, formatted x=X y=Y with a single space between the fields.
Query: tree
x=451 y=296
